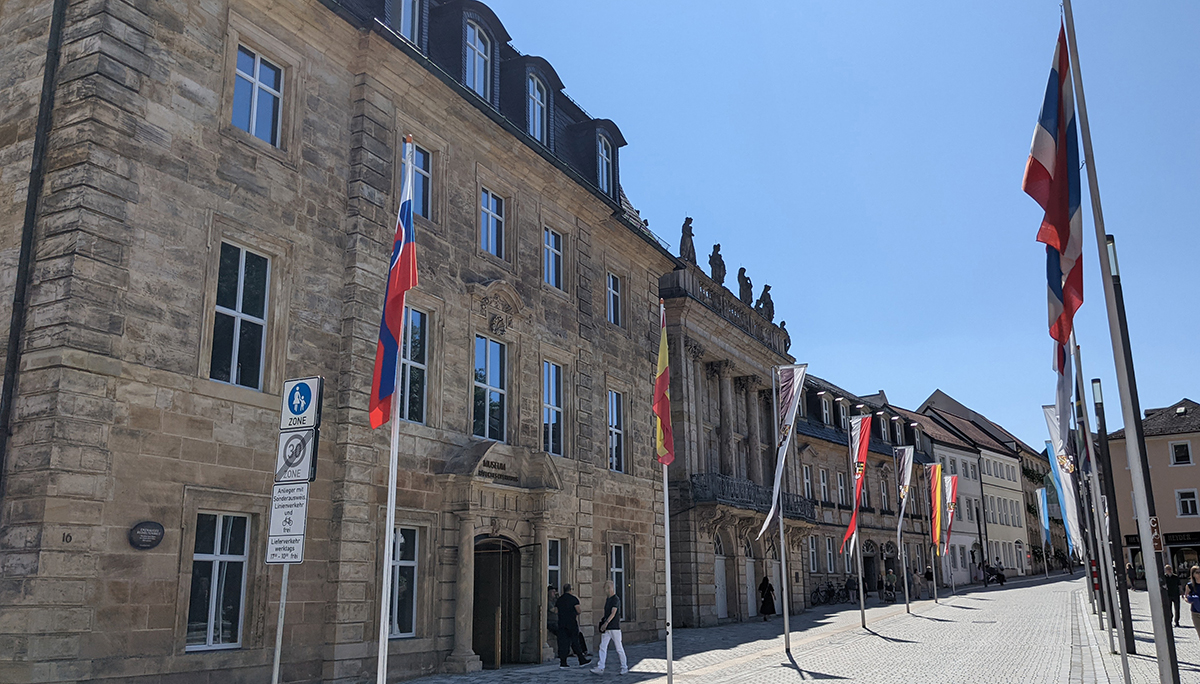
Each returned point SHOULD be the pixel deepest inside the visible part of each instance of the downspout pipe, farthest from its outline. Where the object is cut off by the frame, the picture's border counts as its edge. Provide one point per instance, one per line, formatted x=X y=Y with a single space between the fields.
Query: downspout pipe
x=37 y=180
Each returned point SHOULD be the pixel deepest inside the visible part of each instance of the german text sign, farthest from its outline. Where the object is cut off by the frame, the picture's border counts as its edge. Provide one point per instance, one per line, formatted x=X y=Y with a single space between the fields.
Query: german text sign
x=289 y=517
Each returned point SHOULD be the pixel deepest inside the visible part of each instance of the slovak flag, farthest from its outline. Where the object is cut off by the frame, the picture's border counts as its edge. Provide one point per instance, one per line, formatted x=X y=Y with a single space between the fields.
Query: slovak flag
x=402 y=277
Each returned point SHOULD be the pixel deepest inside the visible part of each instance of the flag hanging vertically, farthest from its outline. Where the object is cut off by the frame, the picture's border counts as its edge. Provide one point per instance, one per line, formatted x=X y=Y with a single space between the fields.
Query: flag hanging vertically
x=1044 y=514
x=664 y=442
x=791 y=385
x=860 y=438
x=1052 y=179
x=401 y=277
x=934 y=472
x=1062 y=472
x=904 y=460
x=950 y=483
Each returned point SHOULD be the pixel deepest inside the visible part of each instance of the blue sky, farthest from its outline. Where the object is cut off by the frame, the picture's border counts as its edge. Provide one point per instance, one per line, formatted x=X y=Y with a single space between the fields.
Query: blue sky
x=865 y=159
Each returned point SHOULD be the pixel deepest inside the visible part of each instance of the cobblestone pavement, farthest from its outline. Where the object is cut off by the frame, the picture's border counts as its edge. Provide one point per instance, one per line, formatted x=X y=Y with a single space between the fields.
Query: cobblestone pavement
x=1143 y=666
x=1031 y=630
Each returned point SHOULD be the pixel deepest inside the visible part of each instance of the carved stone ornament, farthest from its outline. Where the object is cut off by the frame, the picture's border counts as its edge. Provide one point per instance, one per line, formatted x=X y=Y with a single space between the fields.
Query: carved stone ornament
x=746 y=383
x=498 y=324
x=694 y=349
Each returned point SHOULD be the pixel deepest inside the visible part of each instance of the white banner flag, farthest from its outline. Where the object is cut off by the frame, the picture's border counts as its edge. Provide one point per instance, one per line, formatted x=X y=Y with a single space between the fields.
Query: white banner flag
x=791 y=382
x=1063 y=471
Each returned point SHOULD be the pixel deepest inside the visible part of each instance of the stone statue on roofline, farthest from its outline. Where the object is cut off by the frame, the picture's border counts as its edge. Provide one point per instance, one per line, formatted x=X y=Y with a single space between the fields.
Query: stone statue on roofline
x=745 y=287
x=687 y=248
x=787 y=337
x=764 y=306
x=716 y=263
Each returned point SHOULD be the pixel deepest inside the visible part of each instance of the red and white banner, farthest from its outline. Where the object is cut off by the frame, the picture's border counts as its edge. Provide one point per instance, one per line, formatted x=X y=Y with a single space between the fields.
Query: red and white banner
x=791 y=382
x=860 y=438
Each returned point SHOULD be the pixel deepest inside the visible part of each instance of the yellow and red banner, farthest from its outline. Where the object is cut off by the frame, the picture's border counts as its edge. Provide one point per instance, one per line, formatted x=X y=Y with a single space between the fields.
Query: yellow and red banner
x=860 y=438
x=935 y=504
x=664 y=443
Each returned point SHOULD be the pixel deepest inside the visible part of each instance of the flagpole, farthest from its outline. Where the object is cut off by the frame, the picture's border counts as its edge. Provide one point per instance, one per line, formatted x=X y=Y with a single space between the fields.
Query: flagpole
x=783 y=576
x=862 y=605
x=904 y=569
x=1164 y=644
x=667 y=542
x=385 y=593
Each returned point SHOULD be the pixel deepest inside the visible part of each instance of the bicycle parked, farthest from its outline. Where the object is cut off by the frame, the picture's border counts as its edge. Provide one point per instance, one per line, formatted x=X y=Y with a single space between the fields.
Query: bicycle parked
x=829 y=594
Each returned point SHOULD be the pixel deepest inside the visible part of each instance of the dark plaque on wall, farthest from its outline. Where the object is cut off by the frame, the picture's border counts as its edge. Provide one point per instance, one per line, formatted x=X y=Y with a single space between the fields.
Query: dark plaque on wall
x=145 y=535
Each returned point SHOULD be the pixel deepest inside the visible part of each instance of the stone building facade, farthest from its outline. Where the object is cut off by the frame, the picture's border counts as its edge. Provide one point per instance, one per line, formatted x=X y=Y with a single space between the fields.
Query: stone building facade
x=220 y=191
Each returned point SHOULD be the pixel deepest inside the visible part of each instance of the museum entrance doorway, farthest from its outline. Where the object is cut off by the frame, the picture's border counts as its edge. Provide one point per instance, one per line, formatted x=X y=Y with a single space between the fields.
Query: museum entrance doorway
x=496 y=624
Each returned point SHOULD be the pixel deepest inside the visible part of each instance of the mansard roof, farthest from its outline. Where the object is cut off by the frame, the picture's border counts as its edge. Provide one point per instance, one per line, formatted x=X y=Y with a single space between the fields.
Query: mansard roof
x=1180 y=418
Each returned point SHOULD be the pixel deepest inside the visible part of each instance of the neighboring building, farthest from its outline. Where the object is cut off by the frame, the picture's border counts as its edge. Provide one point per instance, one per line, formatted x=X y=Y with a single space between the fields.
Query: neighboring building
x=722 y=356
x=217 y=216
x=1173 y=451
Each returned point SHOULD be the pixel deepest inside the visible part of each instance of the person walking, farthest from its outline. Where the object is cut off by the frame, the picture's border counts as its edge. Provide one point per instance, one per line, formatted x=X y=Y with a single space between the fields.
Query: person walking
x=1191 y=594
x=1170 y=582
x=1130 y=576
x=552 y=617
x=766 y=595
x=610 y=629
x=929 y=579
x=568 y=628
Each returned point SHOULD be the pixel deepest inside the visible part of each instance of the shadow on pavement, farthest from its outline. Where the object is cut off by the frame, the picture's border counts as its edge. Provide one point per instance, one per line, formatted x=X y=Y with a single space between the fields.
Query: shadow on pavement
x=926 y=617
x=893 y=640
x=807 y=674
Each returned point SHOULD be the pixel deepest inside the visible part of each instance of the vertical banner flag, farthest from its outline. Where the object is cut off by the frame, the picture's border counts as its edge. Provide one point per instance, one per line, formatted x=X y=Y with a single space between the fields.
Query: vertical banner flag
x=860 y=438
x=401 y=277
x=1062 y=472
x=1044 y=514
x=664 y=442
x=791 y=382
x=950 y=483
x=904 y=460
x=1052 y=180
x=935 y=503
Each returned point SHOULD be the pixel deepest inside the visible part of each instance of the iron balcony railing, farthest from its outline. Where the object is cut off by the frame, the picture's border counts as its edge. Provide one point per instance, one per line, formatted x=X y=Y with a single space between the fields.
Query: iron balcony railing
x=744 y=494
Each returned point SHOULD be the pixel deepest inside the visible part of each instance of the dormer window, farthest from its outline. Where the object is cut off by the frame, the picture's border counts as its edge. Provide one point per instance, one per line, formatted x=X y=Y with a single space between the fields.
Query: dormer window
x=479 y=61
x=536 y=106
x=405 y=16
x=604 y=164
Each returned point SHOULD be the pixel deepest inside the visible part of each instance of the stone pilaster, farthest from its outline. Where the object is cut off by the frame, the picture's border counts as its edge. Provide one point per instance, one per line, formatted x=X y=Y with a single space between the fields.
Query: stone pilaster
x=724 y=372
x=754 y=464
x=462 y=658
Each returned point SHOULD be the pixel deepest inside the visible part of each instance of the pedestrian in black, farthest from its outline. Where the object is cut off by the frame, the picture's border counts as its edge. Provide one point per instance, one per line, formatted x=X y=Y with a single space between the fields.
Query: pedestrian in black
x=766 y=592
x=1170 y=582
x=568 y=628
x=1130 y=575
x=552 y=616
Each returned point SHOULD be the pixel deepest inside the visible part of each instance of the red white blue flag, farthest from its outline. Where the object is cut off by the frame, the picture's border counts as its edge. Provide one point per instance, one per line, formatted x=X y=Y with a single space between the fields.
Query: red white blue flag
x=1052 y=179
x=402 y=277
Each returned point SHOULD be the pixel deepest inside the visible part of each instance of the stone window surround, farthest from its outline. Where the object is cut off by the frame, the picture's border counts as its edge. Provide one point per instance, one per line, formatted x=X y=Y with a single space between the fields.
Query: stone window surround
x=629 y=541
x=549 y=218
x=222 y=228
x=1171 y=454
x=432 y=307
x=425 y=628
x=242 y=31
x=438 y=150
x=563 y=360
x=622 y=271
x=1195 y=499
x=505 y=189
x=515 y=361
x=255 y=609
x=632 y=454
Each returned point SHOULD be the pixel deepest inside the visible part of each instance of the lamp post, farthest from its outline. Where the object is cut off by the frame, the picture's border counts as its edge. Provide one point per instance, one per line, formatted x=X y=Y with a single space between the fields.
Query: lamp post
x=1114 y=521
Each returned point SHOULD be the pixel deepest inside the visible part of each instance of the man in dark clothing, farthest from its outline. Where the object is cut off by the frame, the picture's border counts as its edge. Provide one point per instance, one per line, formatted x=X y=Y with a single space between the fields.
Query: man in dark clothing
x=552 y=616
x=1170 y=582
x=610 y=628
x=568 y=628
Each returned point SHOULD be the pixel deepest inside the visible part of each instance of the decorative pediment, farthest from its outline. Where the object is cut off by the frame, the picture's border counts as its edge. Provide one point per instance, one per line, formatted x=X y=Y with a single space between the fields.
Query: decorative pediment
x=499 y=302
x=504 y=464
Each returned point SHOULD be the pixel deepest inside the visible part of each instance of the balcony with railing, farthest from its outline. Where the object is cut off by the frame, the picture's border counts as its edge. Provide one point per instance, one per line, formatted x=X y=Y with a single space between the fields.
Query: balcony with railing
x=691 y=282
x=730 y=491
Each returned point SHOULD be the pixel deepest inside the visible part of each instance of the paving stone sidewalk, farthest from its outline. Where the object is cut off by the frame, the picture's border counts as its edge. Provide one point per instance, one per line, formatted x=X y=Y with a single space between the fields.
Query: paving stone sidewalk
x=1143 y=666
x=1032 y=630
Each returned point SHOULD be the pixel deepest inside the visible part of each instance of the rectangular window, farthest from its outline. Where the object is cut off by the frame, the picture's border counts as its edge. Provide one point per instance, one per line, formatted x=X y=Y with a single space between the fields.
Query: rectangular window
x=989 y=467
x=992 y=509
x=883 y=495
x=829 y=562
x=899 y=432
x=552 y=408
x=491 y=388
x=554 y=563
x=808 y=481
x=962 y=557
x=1181 y=453
x=883 y=427
x=866 y=491
x=404 y=583
x=812 y=554
x=413 y=355
x=970 y=512
x=825 y=415
x=616 y=432
x=240 y=325
x=614 y=299
x=953 y=466
x=843 y=416
x=257 y=96
x=405 y=17
x=422 y=181
x=552 y=258
x=846 y=560
x=617 y=573
x=216 y=608
x=974 y=472
x=491 y=223
x=604 y=164
x=953 y=559
x=824 y=485
x=842 y=488
x=1186 y=499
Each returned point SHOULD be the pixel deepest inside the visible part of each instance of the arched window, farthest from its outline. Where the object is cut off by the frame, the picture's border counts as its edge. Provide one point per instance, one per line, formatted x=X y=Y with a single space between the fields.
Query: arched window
x=536 y=116
x=718 y=547
x=479 y=61
x=604 y=164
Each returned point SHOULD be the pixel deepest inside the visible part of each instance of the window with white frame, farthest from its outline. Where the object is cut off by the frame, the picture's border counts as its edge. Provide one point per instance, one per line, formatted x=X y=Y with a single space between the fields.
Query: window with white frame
x=970 y=511
x=604 y=164
x=554 y=563
x=405 y=17
x=552 y=258
x=413 y=365
x=479 y=61
x=953 y=466
x=962 y=557
x=536 y=110
x=240 y=322
x=422 y=180
x=824 y=484
x=846 y=560
x=404 y=583
x=552 y=408
x=842 y=488
x=812 y=554
x=829 y=557
x=899 y=430
x=883 y=494
x=1181 y=453
x=616 y=432
x=491 y=223
x=618 y=566
x=491 y=389
x=808 y=481
x=974 y=472
x=844 y=416
x=257 y=96
x=825 y=413
x=614 y=299
x=866 y=490
x=883 y=427
x=217 y=605
x=1185 y=500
